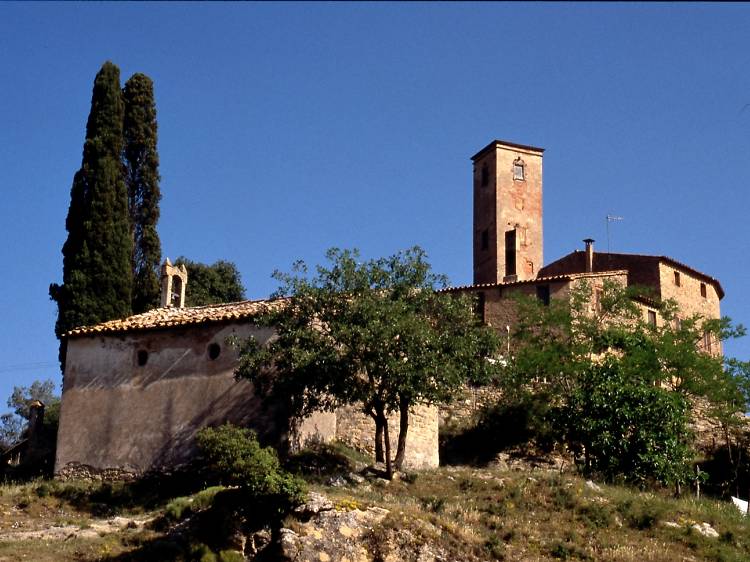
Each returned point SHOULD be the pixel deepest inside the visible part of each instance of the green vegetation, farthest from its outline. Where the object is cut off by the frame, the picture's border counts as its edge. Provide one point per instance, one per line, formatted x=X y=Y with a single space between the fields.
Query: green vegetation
x=233 y=457
x=142 y=178
x=618 y=390
x=372 y=333
x=211 y=284
x=461 y=513
x=97 y=279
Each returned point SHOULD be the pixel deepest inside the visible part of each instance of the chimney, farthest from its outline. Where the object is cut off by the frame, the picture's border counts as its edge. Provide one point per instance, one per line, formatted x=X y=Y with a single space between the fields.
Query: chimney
x=173 y=282
x=36 y=420
x=589 y=254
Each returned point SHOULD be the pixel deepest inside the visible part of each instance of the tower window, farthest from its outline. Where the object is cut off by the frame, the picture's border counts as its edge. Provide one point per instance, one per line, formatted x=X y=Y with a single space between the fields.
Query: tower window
x=485 y=239
x=652 y=318
x=677 y=278
x=703 y=290
x=485 y=176
x=510 y=252
x=518 y=169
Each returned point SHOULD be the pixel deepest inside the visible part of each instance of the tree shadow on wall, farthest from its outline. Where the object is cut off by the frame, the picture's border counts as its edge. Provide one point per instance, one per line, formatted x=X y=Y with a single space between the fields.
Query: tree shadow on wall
x=521 y=427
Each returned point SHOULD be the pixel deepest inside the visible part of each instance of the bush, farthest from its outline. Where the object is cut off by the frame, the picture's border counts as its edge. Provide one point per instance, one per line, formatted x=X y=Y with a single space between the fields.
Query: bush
x=234 y=457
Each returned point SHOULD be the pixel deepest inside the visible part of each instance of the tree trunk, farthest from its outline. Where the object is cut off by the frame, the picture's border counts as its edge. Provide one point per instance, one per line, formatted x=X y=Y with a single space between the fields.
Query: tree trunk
x=387 y=441
x=403 y=429
x=379 y=456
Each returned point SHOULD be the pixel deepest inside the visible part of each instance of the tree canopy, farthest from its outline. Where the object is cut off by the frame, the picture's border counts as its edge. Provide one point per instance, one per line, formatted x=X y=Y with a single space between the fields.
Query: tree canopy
x=620 y=389
x=373 y=333
x=211 y=284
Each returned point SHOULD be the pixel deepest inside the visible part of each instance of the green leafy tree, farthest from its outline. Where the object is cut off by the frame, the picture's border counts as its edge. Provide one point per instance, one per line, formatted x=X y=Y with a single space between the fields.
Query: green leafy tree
x=620 y=389
x=97 y=278
x=372 y=333
x=212 y=284
x=142 y=178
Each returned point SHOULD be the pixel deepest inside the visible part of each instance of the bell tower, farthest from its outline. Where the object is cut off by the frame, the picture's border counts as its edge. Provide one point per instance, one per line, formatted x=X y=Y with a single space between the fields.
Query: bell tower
x=173 y=282
x=507 y=212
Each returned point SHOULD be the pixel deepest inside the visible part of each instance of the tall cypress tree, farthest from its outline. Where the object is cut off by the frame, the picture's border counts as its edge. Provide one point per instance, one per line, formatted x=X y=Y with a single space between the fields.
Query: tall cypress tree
x=141 y=161
x=97 y=277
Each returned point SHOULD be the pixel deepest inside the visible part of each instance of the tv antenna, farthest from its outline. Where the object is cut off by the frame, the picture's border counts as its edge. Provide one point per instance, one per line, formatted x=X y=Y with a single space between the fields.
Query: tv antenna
x=610 y=218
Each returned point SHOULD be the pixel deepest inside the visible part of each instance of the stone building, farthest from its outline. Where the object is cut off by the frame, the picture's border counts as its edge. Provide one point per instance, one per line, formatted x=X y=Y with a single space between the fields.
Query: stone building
x=136 y=390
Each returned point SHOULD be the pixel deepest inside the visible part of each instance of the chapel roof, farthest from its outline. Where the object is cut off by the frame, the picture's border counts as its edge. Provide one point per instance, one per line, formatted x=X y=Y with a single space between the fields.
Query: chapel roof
x=172 y=316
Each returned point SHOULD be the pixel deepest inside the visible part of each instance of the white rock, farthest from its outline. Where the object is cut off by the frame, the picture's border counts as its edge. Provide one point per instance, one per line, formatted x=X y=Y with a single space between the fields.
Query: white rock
x=706 y=530
x=591 y=485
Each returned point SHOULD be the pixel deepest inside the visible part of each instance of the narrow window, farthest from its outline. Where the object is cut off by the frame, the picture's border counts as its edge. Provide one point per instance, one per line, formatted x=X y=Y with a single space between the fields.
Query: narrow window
x=542 y=293
x=652 y=318
x=485 y=239
x=485 y=175
x=703 y=290
x=518 y=169
x=510 y=252
x=479 y=306
x=707 y=342
x=677 y=278
x=142 y=357
x=213 y=351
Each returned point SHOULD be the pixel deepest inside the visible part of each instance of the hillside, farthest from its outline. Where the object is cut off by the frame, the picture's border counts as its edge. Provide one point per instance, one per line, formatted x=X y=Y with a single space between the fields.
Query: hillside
x=449 y=514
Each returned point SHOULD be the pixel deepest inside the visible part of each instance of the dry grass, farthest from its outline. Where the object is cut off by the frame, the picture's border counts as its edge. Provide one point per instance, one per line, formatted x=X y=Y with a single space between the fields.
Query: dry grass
x=473 y=514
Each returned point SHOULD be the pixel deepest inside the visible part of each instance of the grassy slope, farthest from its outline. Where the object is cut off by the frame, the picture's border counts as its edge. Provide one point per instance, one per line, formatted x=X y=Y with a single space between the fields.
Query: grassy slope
x=467 y=514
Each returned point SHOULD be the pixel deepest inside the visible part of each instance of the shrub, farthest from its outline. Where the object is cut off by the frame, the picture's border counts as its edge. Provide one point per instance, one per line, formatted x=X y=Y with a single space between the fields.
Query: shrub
x=234 y=457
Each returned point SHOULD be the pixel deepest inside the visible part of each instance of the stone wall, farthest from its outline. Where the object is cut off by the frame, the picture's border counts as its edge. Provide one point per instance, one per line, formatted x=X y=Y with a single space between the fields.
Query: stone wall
x=134 y=402
x=358 y=430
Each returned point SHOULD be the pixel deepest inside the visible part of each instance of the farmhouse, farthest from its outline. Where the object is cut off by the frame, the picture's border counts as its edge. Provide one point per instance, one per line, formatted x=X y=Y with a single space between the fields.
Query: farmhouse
x=136 y=390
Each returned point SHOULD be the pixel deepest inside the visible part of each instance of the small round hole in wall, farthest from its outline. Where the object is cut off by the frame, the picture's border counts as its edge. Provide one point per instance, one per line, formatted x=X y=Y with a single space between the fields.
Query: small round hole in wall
x=214 y=350
x=142 y=357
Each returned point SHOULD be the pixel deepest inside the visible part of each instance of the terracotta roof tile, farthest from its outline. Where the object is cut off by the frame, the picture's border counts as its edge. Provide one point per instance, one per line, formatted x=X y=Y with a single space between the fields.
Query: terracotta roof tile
x=170 y=316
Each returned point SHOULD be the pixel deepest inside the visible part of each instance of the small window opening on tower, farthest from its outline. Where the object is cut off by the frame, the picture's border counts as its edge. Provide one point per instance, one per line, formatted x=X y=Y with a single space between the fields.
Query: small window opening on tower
x=652 y=318
x=677 y=278
x=707 y=342
x=703 y=290
x=485 y=176
x=518 y=169
x=485 y=239
x=510 y=252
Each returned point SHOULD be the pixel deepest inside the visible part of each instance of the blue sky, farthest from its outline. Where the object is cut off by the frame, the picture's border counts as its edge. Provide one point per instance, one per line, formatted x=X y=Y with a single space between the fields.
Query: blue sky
x=285 y=129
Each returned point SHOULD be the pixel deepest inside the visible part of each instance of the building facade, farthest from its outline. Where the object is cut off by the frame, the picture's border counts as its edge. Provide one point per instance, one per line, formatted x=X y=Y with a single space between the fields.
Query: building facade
x=137 y=390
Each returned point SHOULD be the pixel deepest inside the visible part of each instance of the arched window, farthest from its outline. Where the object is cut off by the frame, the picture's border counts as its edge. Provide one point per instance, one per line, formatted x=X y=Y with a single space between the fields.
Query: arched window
x=518 y=169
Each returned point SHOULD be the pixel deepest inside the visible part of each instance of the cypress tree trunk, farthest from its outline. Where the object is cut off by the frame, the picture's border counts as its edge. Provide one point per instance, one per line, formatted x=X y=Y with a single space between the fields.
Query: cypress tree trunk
x=97 y=278
x=141 y=161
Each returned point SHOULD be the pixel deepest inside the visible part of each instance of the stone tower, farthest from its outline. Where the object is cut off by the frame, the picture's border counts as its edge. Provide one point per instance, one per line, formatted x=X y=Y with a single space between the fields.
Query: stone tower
x=507 y=212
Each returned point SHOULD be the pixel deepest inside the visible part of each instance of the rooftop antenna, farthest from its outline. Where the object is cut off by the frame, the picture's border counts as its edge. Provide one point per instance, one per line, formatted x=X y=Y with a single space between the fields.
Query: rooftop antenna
x=610 y=218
